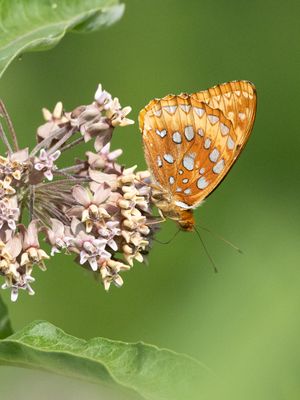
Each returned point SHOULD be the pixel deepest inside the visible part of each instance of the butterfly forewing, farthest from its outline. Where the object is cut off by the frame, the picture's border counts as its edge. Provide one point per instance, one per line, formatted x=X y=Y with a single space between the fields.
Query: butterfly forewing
x=192 y=141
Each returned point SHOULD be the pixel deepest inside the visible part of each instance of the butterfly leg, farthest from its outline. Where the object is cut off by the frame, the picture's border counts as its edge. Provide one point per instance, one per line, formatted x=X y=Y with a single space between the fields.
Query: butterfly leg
x=157 y=221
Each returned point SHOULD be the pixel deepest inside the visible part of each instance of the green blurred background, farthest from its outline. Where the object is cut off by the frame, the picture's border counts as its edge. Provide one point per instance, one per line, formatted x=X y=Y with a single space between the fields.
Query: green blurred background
x=243 y=322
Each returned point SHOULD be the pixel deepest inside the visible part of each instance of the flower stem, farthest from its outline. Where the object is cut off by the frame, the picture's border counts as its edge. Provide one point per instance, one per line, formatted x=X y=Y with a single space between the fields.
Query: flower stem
x=72 y=144
x=45 y=142
x=65 y=175
x=9 y=124
x=31 y=201
x=63 y=182
x=5 y=140
x=61 y=141
x=73 y=168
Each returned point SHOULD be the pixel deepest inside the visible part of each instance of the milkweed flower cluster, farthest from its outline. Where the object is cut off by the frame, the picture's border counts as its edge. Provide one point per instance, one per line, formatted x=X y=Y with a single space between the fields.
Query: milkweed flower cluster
x=95 y=209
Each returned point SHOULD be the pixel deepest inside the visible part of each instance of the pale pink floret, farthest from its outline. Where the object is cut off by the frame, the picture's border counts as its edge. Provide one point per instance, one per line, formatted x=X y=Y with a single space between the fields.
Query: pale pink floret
x=95 y=208
x=9 y=266
x=20 y=156
x=90 y=249
x=109 y=231
x=93 y=251
x=104 y=158
x=23 y=284
x=92 y=206
x=12 y=248
x=32 y=253
x=59 y=236
x=103 y=98
x=9 y=212
x=45 y=163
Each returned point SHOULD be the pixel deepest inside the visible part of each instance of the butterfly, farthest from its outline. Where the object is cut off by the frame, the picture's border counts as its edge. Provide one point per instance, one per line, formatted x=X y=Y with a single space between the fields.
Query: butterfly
x=192 y=141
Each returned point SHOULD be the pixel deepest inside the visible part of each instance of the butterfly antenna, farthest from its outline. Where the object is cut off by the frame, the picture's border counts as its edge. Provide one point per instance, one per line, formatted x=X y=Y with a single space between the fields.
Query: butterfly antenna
x=206 y=250
x=221 y=238
x=168 y=241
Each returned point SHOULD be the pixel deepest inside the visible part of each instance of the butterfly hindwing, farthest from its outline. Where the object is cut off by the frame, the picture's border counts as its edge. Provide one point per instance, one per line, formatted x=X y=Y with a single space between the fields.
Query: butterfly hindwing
x=237 y=100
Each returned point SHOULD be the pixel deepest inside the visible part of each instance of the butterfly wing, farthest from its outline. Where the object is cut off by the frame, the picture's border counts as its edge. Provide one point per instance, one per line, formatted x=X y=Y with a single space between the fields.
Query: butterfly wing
x=191 y=145
x=237 y=101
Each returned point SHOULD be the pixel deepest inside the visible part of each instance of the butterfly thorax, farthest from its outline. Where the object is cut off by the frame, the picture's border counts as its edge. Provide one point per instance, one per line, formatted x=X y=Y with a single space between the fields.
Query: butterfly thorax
x=166 y=203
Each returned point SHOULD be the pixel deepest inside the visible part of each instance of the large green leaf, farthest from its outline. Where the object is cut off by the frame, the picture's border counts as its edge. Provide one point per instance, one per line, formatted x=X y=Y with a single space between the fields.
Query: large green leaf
x=5 y=327
x=27 y=25
x=151 y=372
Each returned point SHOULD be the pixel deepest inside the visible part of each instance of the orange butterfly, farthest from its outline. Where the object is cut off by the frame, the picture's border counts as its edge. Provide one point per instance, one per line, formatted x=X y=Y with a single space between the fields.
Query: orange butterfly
x=192 y=141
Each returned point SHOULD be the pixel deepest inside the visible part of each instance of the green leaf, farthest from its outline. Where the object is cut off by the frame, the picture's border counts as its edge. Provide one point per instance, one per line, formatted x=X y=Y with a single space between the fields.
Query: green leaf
x=5 y=327
x=149 y=371
x=30 y=25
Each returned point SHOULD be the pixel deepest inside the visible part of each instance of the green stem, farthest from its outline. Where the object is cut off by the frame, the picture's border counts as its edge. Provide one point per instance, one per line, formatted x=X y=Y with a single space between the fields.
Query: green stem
x=31 y=201
x=4 y=139
x=45 y=142
x=72 y=144
x=9 y=124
